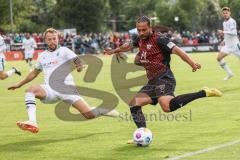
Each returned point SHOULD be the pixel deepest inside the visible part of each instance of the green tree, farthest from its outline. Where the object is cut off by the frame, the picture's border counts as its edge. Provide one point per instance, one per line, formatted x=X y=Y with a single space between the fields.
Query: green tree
x=134 y=9
x=85 y=15
x=4 y=15
x=211 y=15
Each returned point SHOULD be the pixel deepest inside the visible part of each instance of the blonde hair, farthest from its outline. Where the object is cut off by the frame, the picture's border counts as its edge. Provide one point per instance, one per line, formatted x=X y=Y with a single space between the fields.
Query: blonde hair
x=226 y=9
x=49 y=30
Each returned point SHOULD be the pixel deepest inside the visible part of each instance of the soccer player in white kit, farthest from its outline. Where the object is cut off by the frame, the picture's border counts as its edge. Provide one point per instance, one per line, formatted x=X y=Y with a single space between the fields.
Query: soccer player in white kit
x=29 y=46
x=4 y=75
x=231 y=43
x=48 y=62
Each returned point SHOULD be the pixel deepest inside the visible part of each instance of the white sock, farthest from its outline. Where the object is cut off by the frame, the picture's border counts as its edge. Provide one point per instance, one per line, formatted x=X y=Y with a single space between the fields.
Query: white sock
x=224 y=65
x=10 y=72
x=31 y=106
x=99 y=111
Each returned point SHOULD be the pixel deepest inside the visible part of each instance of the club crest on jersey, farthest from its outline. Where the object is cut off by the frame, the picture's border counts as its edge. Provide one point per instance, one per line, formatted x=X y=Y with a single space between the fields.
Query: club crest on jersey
x=149 y=46
x=143 y=55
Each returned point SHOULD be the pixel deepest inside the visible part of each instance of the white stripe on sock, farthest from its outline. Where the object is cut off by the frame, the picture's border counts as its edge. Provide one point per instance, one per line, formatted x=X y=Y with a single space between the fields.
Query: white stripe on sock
x=31 y=108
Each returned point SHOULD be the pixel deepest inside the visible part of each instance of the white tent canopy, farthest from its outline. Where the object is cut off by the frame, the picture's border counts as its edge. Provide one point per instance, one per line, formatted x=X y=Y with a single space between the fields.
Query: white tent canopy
x=133 y=31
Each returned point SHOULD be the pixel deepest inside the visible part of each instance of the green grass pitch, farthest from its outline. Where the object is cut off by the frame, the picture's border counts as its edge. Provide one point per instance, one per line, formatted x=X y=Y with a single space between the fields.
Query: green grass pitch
x=208 y=122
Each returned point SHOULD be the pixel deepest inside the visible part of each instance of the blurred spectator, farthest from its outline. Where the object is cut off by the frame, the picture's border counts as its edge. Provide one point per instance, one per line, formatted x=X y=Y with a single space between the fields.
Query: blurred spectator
x=95 y=43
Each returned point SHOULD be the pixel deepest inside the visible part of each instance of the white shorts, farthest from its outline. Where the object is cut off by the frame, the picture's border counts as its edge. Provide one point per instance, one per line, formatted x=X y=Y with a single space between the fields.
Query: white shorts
x=233 y=49
x=28 y=54
x=2 y=61
x=53 y=96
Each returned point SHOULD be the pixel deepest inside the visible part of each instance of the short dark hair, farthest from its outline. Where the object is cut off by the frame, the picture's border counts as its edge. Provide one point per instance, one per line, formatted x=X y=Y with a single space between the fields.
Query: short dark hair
x=144 y=19
x=226 y=9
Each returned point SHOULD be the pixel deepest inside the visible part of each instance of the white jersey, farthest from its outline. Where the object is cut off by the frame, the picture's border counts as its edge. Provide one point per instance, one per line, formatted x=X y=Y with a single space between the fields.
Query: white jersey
x=230 y=32
x=29 y=45
x=2 y=45
x=49 y=61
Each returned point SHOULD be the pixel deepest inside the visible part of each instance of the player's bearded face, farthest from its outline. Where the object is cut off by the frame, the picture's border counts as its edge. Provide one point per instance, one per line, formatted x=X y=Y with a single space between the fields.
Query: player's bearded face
x=226 y=14
x=51 y=40
x=144 y=30
x=27 y=35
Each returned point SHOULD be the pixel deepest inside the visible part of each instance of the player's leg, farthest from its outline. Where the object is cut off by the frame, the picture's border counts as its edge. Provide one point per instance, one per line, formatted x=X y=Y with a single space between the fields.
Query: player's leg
x=165 y=92
x=223 y=64
x=136 y=104
x=86 y=110
x=149 y=94
x=170 y=103
x=27 y=59
x=30 y=57
x=32 y=93
x=236 y=52
x=4 y=75
x=29 y=64
x=141 y=99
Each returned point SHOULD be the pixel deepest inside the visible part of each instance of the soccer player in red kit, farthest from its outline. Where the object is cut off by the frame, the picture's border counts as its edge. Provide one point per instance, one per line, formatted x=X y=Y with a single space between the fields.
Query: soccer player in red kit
x=154 y=55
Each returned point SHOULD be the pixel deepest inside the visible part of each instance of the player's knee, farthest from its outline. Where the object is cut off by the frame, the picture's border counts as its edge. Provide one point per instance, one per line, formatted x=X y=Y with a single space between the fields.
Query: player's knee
x=2 y=77
x=219 y=58
x=135 y=102
x=165 y=107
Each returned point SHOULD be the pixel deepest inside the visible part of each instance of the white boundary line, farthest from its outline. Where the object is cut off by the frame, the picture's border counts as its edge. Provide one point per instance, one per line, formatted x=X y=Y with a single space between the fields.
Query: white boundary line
x=205 y=150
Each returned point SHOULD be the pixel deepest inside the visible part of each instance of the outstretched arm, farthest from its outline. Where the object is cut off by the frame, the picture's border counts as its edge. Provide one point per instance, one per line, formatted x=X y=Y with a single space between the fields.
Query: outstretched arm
x=178 y=51
x=123 y=48
x=32 y=75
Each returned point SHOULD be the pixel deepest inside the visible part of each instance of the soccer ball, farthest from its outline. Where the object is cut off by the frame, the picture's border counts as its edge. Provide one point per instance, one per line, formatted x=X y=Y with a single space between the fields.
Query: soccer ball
x=142 y=137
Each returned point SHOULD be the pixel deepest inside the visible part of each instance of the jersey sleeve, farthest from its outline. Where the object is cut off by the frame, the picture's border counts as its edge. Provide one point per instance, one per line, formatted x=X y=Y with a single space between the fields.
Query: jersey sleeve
x=68 y=54
x=165 y=44
x=38 y=65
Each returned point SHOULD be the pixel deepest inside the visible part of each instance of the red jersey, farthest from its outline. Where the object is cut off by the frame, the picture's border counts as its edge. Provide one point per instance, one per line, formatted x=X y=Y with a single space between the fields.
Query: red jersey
x=155 y=53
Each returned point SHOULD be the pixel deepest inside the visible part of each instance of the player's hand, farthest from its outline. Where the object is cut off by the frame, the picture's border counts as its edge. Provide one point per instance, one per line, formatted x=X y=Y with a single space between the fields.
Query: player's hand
x=195 y=67
x=80 y=68
x=220 y=32
x=13 y=87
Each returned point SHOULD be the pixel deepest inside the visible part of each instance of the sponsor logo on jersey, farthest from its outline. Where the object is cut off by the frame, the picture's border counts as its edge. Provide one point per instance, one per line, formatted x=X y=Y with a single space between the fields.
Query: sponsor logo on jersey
x=149 y=46
x=47 y=64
